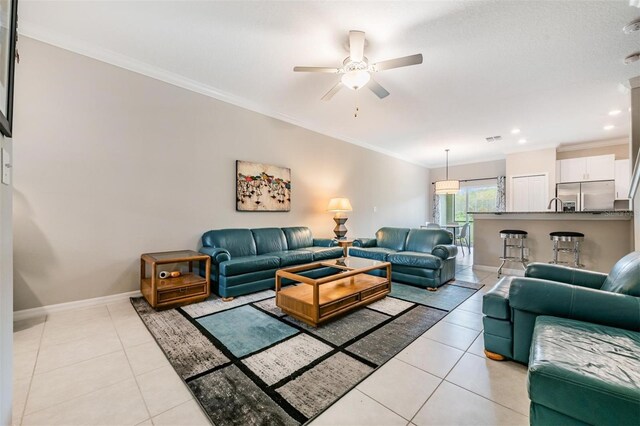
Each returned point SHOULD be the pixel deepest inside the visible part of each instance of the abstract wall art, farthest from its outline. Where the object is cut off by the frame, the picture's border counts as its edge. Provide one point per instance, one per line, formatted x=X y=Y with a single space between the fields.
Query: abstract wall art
x=262 y=187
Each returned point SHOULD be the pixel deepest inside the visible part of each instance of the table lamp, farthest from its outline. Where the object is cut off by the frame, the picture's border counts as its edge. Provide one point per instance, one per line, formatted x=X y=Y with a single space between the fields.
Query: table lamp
x=339 y=206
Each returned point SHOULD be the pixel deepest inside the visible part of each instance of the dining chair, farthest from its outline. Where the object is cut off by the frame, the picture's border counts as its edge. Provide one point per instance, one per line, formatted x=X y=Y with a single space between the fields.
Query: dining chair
x=432 y=225
x=463 y=237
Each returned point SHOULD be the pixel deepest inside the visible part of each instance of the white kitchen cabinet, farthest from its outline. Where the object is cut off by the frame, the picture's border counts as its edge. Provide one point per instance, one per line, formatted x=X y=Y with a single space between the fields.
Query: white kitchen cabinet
x=529 y=193
x=623 y=179
x=599 y=167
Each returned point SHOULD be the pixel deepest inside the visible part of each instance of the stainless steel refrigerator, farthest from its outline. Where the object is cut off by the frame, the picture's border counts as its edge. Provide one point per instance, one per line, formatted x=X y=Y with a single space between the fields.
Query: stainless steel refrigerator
x=587 y=196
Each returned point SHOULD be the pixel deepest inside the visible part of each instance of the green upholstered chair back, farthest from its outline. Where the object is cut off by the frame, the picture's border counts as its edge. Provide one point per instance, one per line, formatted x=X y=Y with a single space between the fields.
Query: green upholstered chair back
x=424 y=240
x=238 y=242
x=392 y=238
x=269 y=240
x=624 y=278
x=298 y=237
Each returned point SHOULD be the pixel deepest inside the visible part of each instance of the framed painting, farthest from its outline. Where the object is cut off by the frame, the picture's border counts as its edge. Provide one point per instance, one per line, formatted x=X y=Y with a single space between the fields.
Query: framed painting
x=8 y=17
x=262 y=187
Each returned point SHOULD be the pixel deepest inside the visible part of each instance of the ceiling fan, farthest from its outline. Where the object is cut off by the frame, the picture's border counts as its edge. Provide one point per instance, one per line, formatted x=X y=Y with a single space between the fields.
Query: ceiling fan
x=356 y=70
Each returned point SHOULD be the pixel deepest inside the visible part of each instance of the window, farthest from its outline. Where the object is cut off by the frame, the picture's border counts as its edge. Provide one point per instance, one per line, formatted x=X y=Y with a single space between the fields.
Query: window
x=474 y=196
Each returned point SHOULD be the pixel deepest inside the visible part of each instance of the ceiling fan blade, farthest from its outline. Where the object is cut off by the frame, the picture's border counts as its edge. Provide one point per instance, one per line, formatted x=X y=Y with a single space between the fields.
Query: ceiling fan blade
x=356 y=45
x=398 y=62
x=375 y=87
x=317 y=69
x=327 y=96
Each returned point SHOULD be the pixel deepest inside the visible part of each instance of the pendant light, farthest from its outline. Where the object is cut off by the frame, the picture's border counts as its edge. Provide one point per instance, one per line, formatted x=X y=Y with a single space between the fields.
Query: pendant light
x=447 y=186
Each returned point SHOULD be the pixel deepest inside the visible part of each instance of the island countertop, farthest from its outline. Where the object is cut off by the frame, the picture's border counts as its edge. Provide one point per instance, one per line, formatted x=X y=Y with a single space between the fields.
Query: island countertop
x=551 y=215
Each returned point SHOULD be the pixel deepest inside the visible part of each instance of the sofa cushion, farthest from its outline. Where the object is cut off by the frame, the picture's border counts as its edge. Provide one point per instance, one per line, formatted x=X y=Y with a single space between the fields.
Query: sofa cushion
x=293 y=257
x=392 y=238
x=587 y=371
x=375 y=253
x=495 y=303
x=269 y=240
x=298 y=237
x=242 y=265
x=412 y=258
x=238 y=242
x=624 y=278
x=324 y=253
x=424 y=240
x=418 y=272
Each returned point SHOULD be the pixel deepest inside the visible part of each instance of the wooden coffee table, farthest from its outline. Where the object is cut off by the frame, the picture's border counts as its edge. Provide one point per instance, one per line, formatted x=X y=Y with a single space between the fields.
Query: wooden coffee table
x=318 y=300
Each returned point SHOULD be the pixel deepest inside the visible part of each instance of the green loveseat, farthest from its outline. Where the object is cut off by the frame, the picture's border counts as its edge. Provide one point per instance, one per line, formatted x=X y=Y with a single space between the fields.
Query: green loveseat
x=246 y=260
x=421 y=257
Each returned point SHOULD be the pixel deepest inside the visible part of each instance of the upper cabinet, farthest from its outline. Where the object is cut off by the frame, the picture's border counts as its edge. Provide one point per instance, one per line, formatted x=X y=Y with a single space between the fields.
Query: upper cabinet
x=623 y=179
x=599 y=167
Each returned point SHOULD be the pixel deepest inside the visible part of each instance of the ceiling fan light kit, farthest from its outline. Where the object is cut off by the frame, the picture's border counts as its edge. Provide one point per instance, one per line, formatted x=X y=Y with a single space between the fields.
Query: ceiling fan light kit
x=447 y=186
x=357 y=72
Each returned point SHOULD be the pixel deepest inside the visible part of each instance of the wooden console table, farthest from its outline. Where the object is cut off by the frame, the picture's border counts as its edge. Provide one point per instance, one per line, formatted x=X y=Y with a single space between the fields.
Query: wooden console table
x=171 y=292
x=318 y=300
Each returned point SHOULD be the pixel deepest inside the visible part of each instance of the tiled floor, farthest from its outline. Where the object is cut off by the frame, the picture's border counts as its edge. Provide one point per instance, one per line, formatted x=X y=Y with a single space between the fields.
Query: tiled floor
x=100 y=365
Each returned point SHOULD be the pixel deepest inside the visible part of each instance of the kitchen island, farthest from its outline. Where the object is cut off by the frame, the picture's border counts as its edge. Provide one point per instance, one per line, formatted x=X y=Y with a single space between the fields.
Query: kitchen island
x=608 y=235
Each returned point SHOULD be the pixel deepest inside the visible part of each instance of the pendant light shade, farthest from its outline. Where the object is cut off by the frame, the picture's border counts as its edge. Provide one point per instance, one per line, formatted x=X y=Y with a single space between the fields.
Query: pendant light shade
x=447 y=186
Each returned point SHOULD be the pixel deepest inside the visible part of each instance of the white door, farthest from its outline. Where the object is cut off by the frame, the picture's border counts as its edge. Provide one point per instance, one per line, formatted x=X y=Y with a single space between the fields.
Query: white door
x=537 y=193
x=573 y=170
x=601 y=167
x=623 y=179
x=520 y=194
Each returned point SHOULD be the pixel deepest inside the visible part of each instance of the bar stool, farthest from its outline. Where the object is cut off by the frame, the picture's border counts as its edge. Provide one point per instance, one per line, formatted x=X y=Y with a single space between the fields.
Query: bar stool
x=573 y=239
x=512 y=239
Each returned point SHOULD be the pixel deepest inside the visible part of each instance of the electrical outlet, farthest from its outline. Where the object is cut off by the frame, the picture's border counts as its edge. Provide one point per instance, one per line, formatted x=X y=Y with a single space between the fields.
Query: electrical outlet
x=6 y=167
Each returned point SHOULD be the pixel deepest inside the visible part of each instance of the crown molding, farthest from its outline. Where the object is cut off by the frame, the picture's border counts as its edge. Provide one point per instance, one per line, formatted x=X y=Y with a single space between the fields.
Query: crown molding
x=593 y=144
x=36 y=32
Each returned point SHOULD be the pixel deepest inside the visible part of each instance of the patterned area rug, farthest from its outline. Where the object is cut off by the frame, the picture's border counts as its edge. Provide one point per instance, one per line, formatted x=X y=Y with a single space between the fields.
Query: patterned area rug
x=247 y=363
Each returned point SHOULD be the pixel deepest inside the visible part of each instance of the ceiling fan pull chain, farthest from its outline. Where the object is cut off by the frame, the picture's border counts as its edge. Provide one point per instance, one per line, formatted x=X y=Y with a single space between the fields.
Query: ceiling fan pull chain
x=357 y=109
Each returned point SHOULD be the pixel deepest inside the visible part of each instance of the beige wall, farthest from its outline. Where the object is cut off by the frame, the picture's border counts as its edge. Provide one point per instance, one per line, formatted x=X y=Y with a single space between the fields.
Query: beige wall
x=620 y=150
x=114 y=164
x=529 y=163
x=6 y=297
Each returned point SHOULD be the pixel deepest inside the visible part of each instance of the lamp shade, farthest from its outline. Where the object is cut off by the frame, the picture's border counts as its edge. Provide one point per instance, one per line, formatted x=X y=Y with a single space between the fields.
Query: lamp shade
x=339 y=205
x=444 y=187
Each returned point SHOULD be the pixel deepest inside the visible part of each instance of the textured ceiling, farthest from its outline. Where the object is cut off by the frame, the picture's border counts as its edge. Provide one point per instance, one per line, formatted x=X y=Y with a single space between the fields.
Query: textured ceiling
x=552 y=69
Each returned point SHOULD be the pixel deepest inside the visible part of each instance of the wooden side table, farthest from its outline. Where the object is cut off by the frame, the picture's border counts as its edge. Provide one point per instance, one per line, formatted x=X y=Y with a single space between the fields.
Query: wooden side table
x=171 y=292
x=345 y=244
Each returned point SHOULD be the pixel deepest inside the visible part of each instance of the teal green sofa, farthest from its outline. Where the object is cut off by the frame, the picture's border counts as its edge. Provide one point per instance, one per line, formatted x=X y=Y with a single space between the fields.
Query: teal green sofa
x=421 y=257
x=246 y=260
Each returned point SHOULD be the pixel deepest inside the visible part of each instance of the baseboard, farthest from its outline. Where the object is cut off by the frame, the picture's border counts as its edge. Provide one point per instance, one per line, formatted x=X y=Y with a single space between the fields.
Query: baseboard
x=60 y=307
x=505 y=271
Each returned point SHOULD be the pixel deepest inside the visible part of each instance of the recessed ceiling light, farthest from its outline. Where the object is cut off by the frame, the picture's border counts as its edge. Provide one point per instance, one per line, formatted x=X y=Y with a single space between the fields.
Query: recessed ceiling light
x=522 y=141
x=614 y=112
x=608 y=127
x=515 y=131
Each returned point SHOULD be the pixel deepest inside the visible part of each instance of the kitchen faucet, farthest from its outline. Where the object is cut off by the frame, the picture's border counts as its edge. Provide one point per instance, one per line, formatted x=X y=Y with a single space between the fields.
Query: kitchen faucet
x=556 y=199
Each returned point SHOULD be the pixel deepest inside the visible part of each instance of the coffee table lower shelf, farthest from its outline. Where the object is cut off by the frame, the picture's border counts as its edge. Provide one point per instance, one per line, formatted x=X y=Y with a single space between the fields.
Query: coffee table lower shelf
x=334 y=298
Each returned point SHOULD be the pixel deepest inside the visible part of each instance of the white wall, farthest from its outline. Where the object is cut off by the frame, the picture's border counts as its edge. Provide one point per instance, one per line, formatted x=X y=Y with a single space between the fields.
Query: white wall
x=115 y=164
x=532 y=162
x=6 y=297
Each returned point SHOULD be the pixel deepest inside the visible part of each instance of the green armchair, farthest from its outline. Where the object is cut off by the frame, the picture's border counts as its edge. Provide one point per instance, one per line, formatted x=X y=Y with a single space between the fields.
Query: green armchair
x=512 y=306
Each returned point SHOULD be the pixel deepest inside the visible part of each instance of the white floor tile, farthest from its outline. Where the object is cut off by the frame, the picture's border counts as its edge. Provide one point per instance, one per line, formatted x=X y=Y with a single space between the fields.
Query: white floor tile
x=466 y=319
x=162 y=389
x=502 y=382
x=186 y=414
x=471 y=305
x=400 y=387
x=24 y=364
x=20 y=392
x=477 y=347
x=132 y=331
x=62 y=384
x=452 y=405
x=357 y=409
x=51 y=357
x=430 y=356
x=59 y=332
x=453 y=335
x=27 y=334
x=81 y=315
x=119 y=404
x=146 y=357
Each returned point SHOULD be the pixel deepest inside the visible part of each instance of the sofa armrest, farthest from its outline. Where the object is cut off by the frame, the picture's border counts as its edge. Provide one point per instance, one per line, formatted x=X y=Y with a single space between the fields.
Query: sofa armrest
x=218 y=255
x=544 y=297
x=365 y=242
x=325 y=242
x=565 y=275
x=445 y=251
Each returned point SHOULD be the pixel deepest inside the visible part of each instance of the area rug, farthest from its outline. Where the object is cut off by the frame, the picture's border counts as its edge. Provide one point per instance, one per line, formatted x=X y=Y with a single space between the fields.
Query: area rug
x=247 y=363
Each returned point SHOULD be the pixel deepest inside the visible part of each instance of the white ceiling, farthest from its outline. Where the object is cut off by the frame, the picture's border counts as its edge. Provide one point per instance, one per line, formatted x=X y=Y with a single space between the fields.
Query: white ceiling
x=551 y=68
